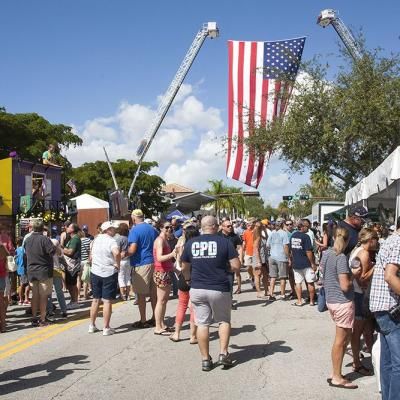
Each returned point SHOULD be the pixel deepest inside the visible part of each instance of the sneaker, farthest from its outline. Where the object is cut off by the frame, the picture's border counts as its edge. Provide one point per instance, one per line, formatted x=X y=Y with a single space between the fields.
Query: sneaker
x=207 y=365
x=35 y=322
x=20 y=303
x=108 y=331
x=93 y=329
x=225 y=360
x=64 y=315
x=72 y=306
x=43 y=324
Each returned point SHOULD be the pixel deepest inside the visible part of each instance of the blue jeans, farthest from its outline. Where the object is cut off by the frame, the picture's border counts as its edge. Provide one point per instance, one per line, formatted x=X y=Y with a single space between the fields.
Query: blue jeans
x=58 y=284
x=390 y=356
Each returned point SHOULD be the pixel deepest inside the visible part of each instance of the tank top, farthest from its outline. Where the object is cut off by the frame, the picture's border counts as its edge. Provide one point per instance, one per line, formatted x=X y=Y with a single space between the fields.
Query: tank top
x=164 y=266
x=357 y=287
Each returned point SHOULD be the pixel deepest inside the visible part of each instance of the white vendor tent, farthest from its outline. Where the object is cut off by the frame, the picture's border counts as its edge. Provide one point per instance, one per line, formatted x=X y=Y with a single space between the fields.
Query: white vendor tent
x=381 y=188
x=89 y=202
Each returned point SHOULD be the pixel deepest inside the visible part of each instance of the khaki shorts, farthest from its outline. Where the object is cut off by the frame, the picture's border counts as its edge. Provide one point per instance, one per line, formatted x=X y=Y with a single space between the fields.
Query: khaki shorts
x=142 y=279
x=248 y=261
x=305 y=274
x=41 y=288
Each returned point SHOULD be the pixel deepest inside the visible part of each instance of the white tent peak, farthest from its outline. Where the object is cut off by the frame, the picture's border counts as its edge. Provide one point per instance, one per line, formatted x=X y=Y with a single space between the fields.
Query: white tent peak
x=87 y=201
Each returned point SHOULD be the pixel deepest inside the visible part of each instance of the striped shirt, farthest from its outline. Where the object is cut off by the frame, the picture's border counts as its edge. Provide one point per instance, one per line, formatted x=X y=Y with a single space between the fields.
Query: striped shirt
x=382 y=297
x=85 y=248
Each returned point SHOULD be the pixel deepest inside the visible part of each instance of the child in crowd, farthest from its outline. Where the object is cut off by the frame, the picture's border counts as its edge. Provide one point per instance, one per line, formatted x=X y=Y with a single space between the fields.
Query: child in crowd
x=24 y=288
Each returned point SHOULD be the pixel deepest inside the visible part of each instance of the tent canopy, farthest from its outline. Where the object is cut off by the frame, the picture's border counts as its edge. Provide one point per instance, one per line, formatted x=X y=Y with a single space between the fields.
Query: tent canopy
x=86 y=202
x=178 y=214
x=381 y=188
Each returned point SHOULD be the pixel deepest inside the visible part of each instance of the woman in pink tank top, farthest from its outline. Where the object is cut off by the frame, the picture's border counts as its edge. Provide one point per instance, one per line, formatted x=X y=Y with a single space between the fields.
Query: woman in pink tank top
x=163 y=266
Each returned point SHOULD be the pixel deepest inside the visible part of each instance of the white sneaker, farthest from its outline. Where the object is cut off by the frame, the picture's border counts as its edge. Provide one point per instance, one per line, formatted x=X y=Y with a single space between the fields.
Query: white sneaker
x=93 y=329
x=108 y=331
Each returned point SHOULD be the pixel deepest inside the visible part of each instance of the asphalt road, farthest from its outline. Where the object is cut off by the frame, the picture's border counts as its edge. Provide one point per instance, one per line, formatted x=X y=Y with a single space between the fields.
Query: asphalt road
x=280 y=352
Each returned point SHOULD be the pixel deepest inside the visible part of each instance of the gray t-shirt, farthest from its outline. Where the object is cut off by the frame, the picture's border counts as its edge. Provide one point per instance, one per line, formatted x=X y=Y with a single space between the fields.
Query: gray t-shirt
x=333 y=265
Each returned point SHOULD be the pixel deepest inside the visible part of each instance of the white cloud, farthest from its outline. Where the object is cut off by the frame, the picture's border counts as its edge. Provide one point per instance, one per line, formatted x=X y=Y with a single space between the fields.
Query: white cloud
x=279 y=181
x=188 y=146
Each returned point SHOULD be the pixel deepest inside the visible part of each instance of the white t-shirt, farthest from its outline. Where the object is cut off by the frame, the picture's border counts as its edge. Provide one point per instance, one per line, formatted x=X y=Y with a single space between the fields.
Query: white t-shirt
x=103 y=262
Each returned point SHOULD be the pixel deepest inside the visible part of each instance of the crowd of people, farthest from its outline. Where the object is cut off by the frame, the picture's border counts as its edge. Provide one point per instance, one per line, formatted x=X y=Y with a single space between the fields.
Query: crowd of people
x=200 y=262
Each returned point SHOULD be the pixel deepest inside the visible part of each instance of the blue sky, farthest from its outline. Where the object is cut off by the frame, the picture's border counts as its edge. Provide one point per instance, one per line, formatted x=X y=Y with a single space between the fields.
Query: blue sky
x=101 y=65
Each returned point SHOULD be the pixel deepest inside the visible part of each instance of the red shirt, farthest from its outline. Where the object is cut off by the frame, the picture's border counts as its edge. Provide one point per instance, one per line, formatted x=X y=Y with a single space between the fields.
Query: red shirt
x=163 y=266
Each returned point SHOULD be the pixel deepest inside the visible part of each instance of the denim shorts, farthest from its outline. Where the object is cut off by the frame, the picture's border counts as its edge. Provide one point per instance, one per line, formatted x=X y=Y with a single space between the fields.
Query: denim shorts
x=104 y=288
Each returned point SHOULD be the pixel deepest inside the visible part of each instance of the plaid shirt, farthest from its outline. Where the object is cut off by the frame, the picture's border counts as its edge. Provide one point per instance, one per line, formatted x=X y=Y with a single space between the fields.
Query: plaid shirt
x=382 y=297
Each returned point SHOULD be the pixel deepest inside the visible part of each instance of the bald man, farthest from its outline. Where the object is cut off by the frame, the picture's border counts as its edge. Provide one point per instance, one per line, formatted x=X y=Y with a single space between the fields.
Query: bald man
x=207 y=262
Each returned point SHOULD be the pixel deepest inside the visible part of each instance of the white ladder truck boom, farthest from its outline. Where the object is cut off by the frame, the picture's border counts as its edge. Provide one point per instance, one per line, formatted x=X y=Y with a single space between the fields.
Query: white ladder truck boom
x=209 y=29
x=330 y=17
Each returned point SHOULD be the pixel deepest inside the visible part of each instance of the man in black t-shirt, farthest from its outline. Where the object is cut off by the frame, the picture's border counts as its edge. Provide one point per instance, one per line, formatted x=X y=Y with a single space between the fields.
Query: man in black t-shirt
x=228 y=233
x=207 y=261
x=353 y=223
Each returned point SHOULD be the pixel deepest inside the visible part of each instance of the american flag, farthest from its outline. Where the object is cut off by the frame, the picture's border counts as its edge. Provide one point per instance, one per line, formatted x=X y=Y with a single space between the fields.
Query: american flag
x=261 y=76
x=72 y=186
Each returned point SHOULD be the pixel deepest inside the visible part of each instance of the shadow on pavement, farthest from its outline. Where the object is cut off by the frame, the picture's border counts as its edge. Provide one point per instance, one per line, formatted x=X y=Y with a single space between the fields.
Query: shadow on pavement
x=18 y=378
x=234 y=331
x=257 y=351
x=254 y=302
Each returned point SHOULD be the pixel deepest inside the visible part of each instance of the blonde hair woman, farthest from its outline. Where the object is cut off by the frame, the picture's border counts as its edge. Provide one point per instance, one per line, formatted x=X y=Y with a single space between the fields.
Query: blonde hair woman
x=367 y=243
x=338 y=284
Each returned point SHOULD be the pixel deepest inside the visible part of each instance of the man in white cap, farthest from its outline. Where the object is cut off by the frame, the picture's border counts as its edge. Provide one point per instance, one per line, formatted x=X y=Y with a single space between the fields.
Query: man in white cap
x=106 y=258
x=141 y=240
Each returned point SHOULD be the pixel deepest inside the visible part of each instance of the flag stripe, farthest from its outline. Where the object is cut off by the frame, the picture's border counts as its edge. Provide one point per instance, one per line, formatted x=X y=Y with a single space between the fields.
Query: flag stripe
x=261 y=76
x=230 y=99
x=239 y=144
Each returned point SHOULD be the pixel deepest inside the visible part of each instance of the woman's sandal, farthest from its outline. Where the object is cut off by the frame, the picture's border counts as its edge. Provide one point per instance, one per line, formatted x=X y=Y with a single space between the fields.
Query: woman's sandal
x=362 y=370
x=174 y=339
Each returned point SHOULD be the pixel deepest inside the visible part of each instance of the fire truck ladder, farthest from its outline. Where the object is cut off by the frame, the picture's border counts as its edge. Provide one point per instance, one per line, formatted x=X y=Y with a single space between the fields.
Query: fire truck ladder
x=209 y=29
x=330 y=17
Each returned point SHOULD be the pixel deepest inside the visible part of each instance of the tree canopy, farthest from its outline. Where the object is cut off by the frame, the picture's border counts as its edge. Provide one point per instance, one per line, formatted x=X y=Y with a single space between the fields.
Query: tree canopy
x=30 y=134
x=95 y=179
x=342 y=128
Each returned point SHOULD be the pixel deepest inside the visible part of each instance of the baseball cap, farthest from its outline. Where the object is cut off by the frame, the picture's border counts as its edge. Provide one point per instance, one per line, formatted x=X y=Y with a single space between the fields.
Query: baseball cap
x=107 y=225
x=280 y=221
x=392 y=228
x=85 y=227
x=137 y=213
x=358 y=211
x=148 y=221
x=265 y=221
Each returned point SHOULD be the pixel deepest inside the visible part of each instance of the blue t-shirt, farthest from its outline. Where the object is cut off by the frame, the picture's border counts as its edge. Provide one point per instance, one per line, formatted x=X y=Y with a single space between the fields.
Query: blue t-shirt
x=276 y=242
x=19 y=260
x=209 y=256
x=300 y=243
x=144 y=236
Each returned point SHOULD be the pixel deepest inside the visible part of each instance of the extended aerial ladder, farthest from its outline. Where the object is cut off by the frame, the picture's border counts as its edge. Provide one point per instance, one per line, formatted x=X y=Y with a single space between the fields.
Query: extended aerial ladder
x=330 y=17
x=209 y=29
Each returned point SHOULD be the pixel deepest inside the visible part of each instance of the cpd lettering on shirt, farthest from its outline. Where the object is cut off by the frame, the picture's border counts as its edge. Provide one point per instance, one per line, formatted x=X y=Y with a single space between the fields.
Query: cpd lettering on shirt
x=204 y=249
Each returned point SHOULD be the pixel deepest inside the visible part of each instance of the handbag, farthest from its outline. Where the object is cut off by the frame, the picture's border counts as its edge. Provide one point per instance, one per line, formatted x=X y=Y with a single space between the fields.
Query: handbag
x=182 y=285
x=11 y=264
x=322 y=300
x=86 y=272
x=73 y=265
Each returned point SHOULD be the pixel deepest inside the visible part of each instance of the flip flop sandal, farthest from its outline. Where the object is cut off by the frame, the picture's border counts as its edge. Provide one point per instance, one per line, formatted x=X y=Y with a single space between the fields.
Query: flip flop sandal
x=174 y=339
x=237 y=291
x=163 y=333
x=297 y=305
x=362 y=371
x=140 y=325
x=347 y=385
x=193 y=342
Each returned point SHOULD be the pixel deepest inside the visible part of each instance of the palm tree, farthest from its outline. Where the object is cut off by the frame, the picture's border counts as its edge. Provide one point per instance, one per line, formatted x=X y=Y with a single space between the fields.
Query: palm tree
x=230 y=205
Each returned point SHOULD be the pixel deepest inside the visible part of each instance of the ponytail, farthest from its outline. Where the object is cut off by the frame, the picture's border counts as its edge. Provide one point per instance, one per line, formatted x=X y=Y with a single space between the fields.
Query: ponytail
x=341 y=240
